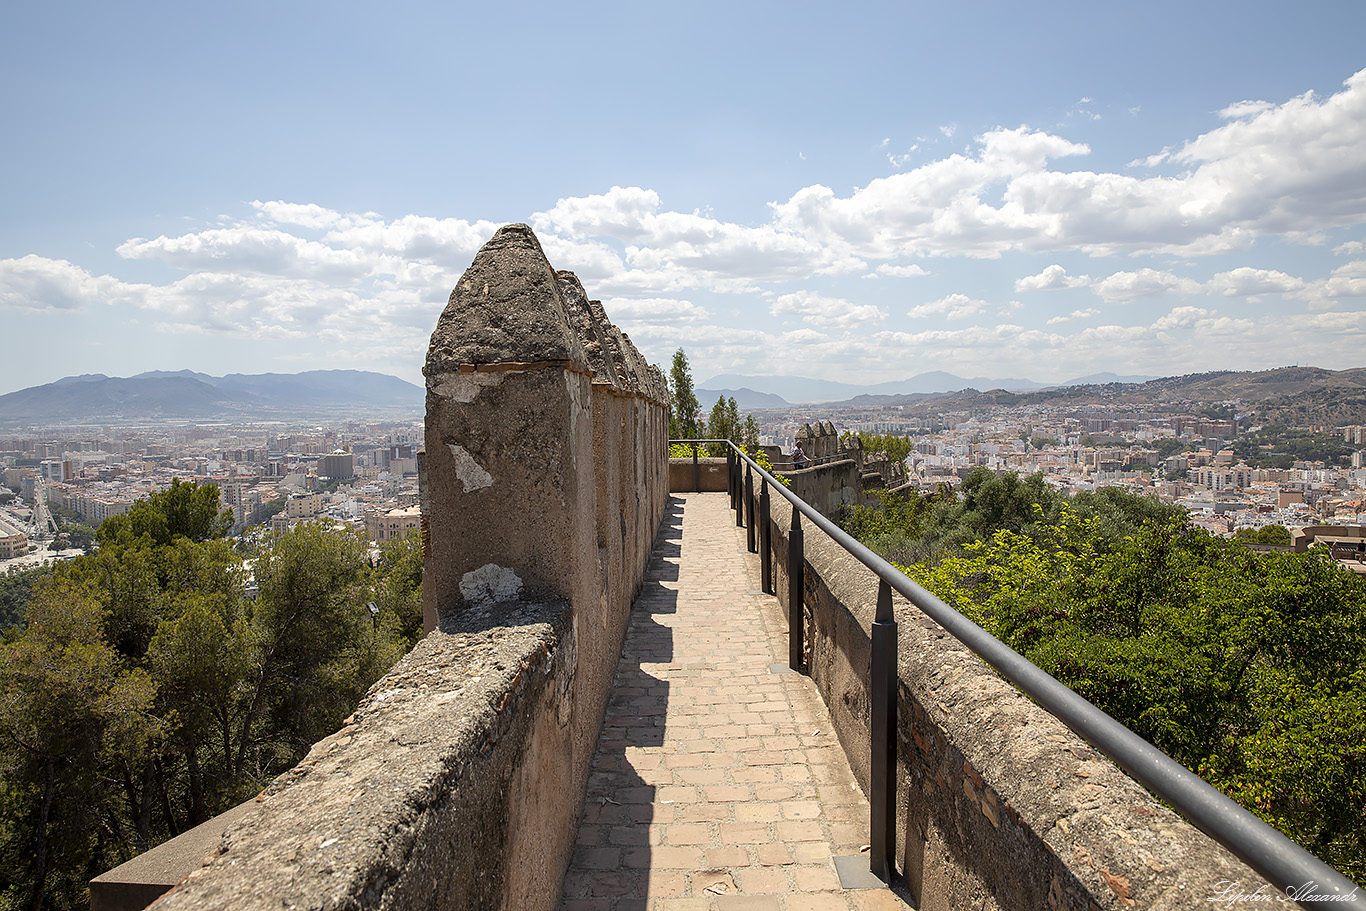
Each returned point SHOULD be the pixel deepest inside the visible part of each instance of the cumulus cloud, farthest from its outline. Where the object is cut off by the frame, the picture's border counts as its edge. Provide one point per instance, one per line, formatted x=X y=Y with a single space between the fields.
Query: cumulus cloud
x=268 y=251
x=1291 y=169
x=955 y=306
x=1126 y=287
x=36 y=283
x=1243 y=109
x=662 y=310
x=911 y=271
x=1075 y=314
x=1350 y=247
x=689 y=250
x=830 y=312
x=1053 y=278
x=1348 y=280
x=1249 y=282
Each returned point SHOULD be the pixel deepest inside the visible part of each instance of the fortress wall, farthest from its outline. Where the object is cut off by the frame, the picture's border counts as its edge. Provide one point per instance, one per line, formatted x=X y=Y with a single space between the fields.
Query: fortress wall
x=830 y=488
x=459 y=781
x=999 y=805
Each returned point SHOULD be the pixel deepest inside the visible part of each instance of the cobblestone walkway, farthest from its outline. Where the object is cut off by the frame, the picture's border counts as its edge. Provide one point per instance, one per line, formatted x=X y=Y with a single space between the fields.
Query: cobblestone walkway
x=718 y=785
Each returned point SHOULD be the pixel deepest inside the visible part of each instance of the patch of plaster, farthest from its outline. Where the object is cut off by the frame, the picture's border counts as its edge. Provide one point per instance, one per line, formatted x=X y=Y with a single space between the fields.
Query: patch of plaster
x=471 y=474
x=490 y=583
x=462 y=387
x=574 y=385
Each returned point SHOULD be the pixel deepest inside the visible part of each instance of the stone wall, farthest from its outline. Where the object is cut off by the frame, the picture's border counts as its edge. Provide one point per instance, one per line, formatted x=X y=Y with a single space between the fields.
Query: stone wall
x=999 y=805
x=459 y=781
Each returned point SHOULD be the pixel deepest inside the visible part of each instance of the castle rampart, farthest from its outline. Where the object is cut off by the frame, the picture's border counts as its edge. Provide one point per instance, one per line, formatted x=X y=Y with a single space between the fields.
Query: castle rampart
x=458 y=781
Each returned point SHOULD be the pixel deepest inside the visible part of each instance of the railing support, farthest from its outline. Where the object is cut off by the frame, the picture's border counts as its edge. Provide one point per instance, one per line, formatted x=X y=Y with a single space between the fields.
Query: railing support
x=696 y=471
x=731 y=464
x=882 y=769
x=796 y=581
x=738 y=504
x=765 y=541
x=749 y=508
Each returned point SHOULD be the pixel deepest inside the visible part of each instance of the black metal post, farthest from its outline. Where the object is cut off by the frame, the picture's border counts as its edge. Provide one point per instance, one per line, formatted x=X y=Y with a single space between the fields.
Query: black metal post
x=738 y=504
x=730 y=475
x=765 y=542
x=749 y=508
x=796 y=581
x=696 y=471
x=882 y=769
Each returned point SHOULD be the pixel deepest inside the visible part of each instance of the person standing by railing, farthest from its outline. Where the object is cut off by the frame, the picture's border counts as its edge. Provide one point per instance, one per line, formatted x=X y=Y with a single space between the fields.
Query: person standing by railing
x=799 y=459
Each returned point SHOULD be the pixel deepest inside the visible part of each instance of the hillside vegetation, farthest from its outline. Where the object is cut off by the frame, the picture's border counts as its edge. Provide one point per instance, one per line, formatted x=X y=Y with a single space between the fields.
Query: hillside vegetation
x=1248 y=669
x=1296 y=396
x=148 y=692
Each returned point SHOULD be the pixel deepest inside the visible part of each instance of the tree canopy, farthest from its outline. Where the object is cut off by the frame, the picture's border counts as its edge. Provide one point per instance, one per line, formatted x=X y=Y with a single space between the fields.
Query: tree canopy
x=684 y=409
x=1249 y=669
x=150 y=691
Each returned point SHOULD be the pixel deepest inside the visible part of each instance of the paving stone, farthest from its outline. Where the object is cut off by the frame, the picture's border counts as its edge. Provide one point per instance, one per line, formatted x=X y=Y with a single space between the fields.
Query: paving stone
x=712 y=771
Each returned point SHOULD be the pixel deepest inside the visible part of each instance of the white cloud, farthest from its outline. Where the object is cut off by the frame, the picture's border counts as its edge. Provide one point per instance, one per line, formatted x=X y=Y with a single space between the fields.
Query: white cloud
x=1249 y=282
x=1293 y=169
x=34 y=282
x=1242 y=110
x=829 y=312
x=1075 y=314
x=955 y=306
x=1347 y=280
x=1351 y=247
x=1053 y=278
x=655 y=310
x=267 y=251
x=1126 y=287
x=911 y=271
x=1180 y=317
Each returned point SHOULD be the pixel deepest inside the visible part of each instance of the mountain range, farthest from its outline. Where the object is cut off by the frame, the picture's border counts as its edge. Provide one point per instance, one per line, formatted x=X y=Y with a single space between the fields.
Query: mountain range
x=783 y=391
x=187 y=395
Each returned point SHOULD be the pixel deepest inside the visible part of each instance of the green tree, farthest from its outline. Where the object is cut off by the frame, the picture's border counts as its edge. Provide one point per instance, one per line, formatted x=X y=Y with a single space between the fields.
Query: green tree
x=684 y=410
x=397 y=583
x=896 y=447
x=184 y=509
x=16 y=591
x=1267 y=534
x=201 y=661
x=749 y=433
x=73 y=720
x=724 y=424
x=318 y=647
x=1246 y=669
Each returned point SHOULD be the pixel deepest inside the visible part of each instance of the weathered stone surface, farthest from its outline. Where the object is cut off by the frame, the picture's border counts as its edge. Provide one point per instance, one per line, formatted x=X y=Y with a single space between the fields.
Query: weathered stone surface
x=506 y=308
x=590 y=323
x=412 y=803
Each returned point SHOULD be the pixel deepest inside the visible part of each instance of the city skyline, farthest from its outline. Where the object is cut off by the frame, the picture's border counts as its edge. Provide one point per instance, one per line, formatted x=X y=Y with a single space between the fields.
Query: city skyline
x=983 y=191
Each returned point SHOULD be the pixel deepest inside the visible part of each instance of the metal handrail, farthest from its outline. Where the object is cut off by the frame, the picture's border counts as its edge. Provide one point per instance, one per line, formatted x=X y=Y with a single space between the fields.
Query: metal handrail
x=1260 y=846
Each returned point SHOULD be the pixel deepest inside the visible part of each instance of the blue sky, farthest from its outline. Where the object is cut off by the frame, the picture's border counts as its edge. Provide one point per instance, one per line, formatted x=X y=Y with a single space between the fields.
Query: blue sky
x=860 y=192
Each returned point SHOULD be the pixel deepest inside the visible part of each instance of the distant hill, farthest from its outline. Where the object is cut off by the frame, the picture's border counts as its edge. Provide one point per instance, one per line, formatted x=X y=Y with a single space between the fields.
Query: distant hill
x=803 y=389
x=1297 y=396
x=745 y=399
x=187 y=395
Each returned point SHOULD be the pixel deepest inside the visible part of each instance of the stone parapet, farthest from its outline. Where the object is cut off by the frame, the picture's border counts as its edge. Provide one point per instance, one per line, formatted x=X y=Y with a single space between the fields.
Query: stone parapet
x=459 y=781
x=440 y=791
x=711 y=475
